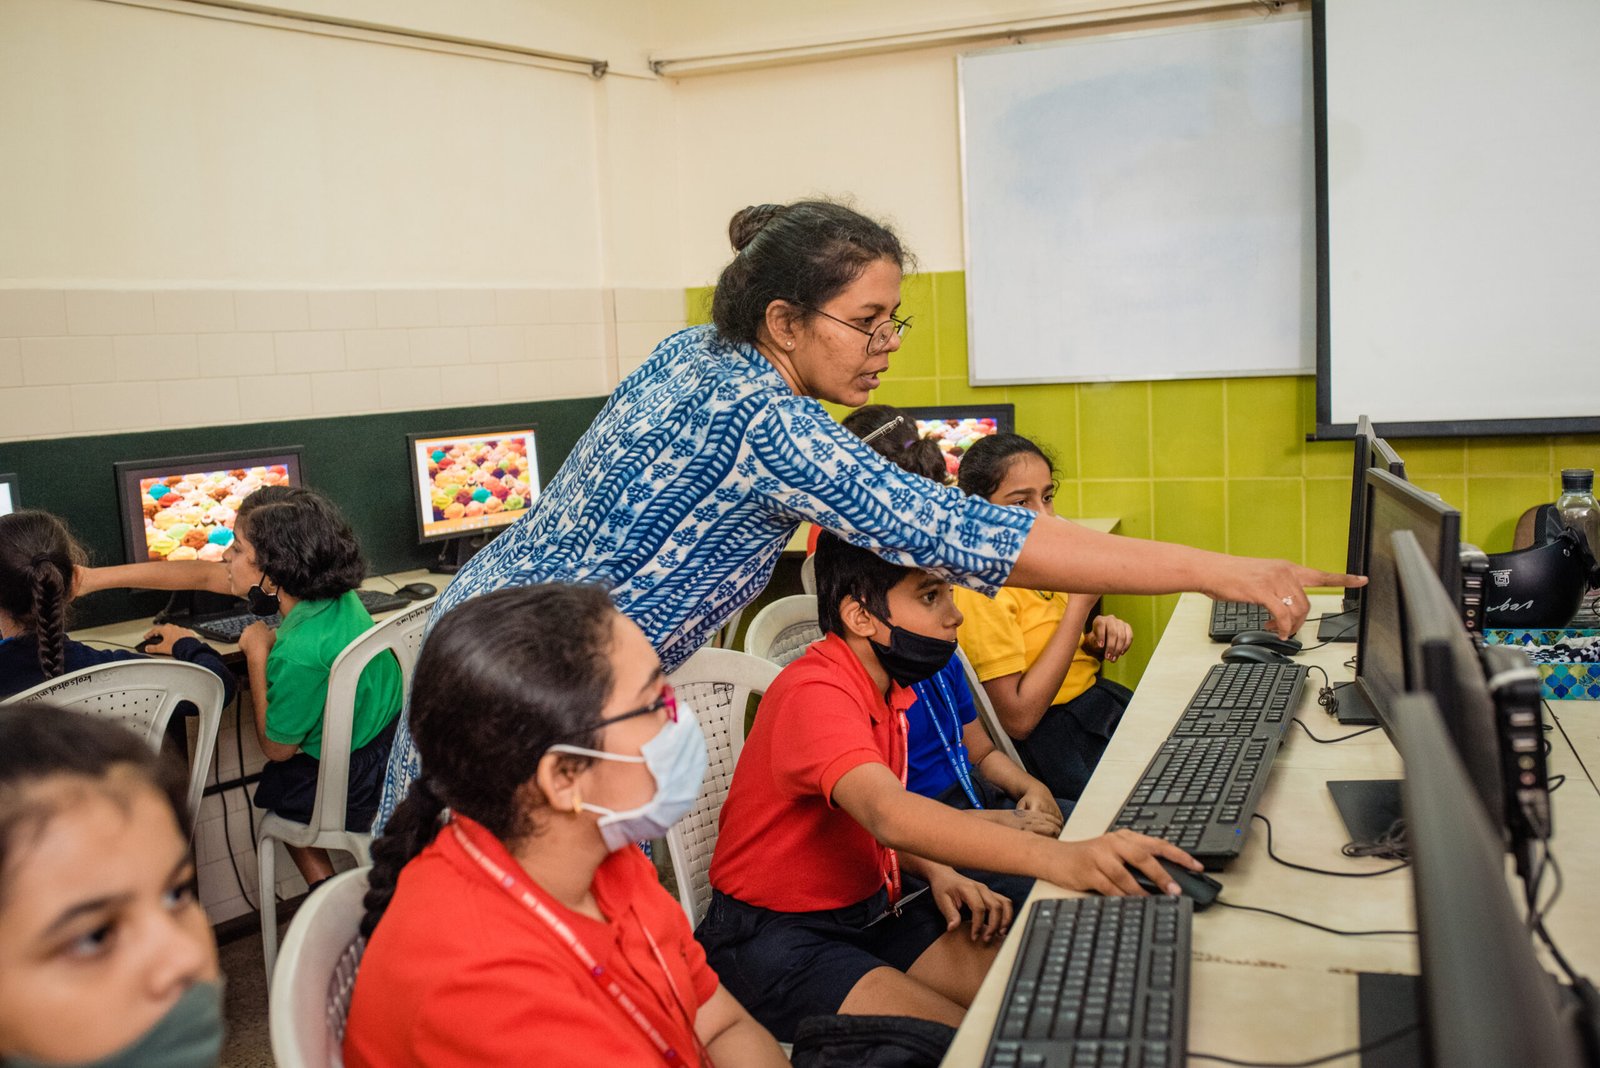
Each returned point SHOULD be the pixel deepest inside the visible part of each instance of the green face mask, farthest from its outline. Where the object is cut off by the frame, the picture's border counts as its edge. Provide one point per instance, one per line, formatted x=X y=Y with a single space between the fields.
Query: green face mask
x=188 y=1036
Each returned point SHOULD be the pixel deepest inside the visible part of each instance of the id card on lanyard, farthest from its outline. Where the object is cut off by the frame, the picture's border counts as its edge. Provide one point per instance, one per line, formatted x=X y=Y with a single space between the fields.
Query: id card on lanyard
x=958 y=760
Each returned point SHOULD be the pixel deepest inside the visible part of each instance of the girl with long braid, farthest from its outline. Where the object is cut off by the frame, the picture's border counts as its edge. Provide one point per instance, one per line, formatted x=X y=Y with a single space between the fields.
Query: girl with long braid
x=511 y=918
x=40 y=567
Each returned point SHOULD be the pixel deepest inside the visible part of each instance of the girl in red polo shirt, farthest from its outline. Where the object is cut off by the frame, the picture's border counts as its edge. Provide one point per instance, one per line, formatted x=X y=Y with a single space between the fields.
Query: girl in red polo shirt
x=511 y=918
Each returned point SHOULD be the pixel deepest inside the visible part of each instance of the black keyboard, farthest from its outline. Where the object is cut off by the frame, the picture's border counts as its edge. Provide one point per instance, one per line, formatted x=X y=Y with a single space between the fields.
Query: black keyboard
x=1202 y=786
x=1229 y=618
x=1099 y=982
x=227 y=628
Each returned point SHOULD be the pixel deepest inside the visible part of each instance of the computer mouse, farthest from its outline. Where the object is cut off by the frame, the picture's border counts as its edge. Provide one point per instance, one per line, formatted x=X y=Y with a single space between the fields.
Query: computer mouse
x=1286 y=646
x=417 y=591
x=1197 y=886
x=143 y=644
x=1252 y=654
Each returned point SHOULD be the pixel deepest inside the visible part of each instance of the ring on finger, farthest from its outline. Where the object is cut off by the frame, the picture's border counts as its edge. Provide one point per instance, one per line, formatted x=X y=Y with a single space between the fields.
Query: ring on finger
x=1288 y=602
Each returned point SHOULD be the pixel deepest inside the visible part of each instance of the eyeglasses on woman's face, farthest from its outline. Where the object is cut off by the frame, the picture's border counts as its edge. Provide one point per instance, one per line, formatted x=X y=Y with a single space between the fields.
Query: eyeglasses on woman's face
x=879 y=337
x=668 y=700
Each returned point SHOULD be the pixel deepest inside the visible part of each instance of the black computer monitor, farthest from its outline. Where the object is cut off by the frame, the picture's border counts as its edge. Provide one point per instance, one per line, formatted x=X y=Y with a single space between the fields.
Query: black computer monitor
x=956 y=426
x=10 y=498
x=1341 y=627
x=1485 y=1001
x=183 y=507
x=469 y=484
x=1384 y=456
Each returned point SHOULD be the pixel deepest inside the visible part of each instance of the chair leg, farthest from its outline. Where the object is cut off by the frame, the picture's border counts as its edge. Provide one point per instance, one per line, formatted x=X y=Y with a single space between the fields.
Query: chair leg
x=266 y=866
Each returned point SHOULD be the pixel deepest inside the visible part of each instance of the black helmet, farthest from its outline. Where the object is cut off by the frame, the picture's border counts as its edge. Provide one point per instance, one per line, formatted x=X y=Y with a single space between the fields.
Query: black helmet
x=1538 y=587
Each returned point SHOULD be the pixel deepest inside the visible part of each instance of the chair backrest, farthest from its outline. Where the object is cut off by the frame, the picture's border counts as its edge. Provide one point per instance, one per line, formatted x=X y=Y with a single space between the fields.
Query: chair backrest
x=400 y=634
x=141 y=695
x=717 y=683
x=987 y=715
x=808 y=575
x=782 y=630
x=316 y=973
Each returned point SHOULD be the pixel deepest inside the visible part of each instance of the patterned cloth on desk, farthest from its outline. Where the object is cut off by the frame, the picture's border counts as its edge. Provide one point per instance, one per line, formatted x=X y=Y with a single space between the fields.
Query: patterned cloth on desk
x=680 y=497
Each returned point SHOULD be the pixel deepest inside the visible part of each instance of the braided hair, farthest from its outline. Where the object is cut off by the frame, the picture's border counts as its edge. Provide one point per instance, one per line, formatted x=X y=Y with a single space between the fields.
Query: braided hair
x=38 y=558
x=502 y=677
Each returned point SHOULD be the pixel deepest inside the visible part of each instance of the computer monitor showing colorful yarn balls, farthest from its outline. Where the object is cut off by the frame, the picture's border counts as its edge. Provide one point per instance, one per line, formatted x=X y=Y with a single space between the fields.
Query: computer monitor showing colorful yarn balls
x=184 y=507
x=956 y=427
x=10 y=500
x=473 y=481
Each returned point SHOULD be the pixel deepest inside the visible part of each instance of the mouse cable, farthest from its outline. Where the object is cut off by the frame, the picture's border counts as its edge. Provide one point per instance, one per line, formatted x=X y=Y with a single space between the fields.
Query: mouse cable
x=1331 y=741
x=1555 y=782
x=1326 y=697
x=1536 y=919
x=1392 y=844
x=222 y=798
x=1383 y=1040
x=1332 y=615
x=1320 y=871
x=1307 y=923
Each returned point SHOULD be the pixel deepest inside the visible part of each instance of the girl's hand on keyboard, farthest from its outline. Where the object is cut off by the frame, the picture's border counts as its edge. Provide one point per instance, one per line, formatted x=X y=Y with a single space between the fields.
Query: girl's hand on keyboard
x=950 y=890
x=1099 y=864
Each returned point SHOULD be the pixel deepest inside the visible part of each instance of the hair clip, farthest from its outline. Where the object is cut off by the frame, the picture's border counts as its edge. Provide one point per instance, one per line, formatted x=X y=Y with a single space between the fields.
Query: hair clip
x=884 y=429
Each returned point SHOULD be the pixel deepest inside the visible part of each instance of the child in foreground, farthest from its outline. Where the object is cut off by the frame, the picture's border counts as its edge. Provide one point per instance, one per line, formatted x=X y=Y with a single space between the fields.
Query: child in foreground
x=105 y=955
x=512 y=920
x=819 y=838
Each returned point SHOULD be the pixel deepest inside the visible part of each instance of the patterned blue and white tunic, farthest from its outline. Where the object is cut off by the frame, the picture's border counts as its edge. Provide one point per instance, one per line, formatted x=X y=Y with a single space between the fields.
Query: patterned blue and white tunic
x=682 y=494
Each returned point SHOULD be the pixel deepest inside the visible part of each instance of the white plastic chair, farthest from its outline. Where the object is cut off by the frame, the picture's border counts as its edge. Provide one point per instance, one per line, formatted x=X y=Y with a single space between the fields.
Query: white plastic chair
x=311 y=989
x=987 y=715
x=808 y=575
x=718 y=684
x=141 y=695
x=400 y=634
x=782 y=630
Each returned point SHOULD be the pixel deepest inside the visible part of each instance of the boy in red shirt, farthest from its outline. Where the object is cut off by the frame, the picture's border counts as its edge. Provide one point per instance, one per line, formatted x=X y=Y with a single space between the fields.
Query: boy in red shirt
x=819 y=835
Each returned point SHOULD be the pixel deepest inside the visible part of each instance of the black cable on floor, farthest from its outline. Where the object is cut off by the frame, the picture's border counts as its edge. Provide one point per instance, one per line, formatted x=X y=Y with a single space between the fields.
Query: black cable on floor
x=1320 y=871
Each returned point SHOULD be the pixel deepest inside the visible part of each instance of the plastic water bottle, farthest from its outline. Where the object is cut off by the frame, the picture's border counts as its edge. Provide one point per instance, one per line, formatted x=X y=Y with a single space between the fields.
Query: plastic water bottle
x=1578 y=509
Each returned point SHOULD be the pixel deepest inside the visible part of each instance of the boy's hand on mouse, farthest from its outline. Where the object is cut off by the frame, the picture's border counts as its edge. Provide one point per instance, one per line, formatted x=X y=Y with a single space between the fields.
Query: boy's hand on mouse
x=1100 y=864
x=1109 y=637
x=950 y=890
x=163 y=636
x=1022 y=819
x=257 y=639
x=1038 y=798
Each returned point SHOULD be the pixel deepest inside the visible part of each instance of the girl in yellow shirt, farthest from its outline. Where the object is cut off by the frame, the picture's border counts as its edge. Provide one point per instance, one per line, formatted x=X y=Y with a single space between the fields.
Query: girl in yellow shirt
x=1030 y=648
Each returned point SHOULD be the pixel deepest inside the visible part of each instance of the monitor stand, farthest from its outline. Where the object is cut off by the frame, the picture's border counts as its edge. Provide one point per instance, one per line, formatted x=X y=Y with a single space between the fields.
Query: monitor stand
x=1369 y=807
x=455 y=552
x=1355 y=707
x=1388 y=1004
x=1340 y=626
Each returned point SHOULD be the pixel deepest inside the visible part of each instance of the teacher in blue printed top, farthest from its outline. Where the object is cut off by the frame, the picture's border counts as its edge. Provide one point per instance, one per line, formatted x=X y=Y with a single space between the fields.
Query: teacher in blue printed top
x=682 y=494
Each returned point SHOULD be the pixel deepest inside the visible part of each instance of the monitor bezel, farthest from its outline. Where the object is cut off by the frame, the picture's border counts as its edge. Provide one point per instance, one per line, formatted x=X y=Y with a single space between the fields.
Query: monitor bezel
x=129 y=472
x=1354 y=557
x=417 y=502
x=1004 y=415
x=1383 y=450
x=13 y=483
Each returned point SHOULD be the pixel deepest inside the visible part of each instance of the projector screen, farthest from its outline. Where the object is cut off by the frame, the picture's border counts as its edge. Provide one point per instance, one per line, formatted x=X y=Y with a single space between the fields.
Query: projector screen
x=1458 y=202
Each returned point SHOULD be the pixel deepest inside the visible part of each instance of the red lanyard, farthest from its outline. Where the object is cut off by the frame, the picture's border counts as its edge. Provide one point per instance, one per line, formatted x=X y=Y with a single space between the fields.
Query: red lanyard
x=891 y=868
x=596 y=970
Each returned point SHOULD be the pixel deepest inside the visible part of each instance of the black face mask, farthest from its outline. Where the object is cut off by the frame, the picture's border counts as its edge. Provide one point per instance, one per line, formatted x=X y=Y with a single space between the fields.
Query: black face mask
x=260 y=602
x=909 y=658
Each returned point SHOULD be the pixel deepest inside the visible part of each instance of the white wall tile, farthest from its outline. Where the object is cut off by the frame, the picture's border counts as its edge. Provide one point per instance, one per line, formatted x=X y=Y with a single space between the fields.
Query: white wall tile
x=641 y=338
x=522 y=305
x=574 y=378
x=35 y=412
x=466 y=307
x=227 y=355
x=337 y=392
x=355 y=309
x=407 y=307
x=110 y=311
x=199 y=401
x=409 y=387
x=32 y=312
x=567 y=341
x=520 y=381
x=271 y=309
x=10 y=362
x=275 y=396
x=155 y=357
x=49 y=361
x=456 y=388
x=194 y=311
x=587 y=341
x=648 y=305
x=626 y=365
x=368 y=349
x=440 y=346
x=576 y=306
x=498 y=344
x=309 y=350
x=103 y=407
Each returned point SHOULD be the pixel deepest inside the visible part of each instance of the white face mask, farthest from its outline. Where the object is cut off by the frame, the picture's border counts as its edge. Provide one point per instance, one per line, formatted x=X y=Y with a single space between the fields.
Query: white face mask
x=676 y=758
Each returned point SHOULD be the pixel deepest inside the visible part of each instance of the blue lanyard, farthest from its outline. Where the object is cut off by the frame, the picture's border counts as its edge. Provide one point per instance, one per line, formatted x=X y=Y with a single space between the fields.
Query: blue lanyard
x=958 y=761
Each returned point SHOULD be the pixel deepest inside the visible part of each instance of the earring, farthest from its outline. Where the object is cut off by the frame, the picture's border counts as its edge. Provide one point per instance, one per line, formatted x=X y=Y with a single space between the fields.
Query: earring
x=788 y=344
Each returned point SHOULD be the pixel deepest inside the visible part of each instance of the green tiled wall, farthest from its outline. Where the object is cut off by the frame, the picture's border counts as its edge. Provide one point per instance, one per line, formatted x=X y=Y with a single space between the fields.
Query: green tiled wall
x=1217 y=463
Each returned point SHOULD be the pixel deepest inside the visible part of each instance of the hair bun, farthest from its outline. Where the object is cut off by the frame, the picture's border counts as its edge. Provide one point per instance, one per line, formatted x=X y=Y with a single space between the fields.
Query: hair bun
x=748 y=222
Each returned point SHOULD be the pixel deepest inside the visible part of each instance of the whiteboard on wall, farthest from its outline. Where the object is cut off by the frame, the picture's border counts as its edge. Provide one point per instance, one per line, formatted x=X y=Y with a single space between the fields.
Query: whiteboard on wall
x=1463 y=216
x=1140 y=206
